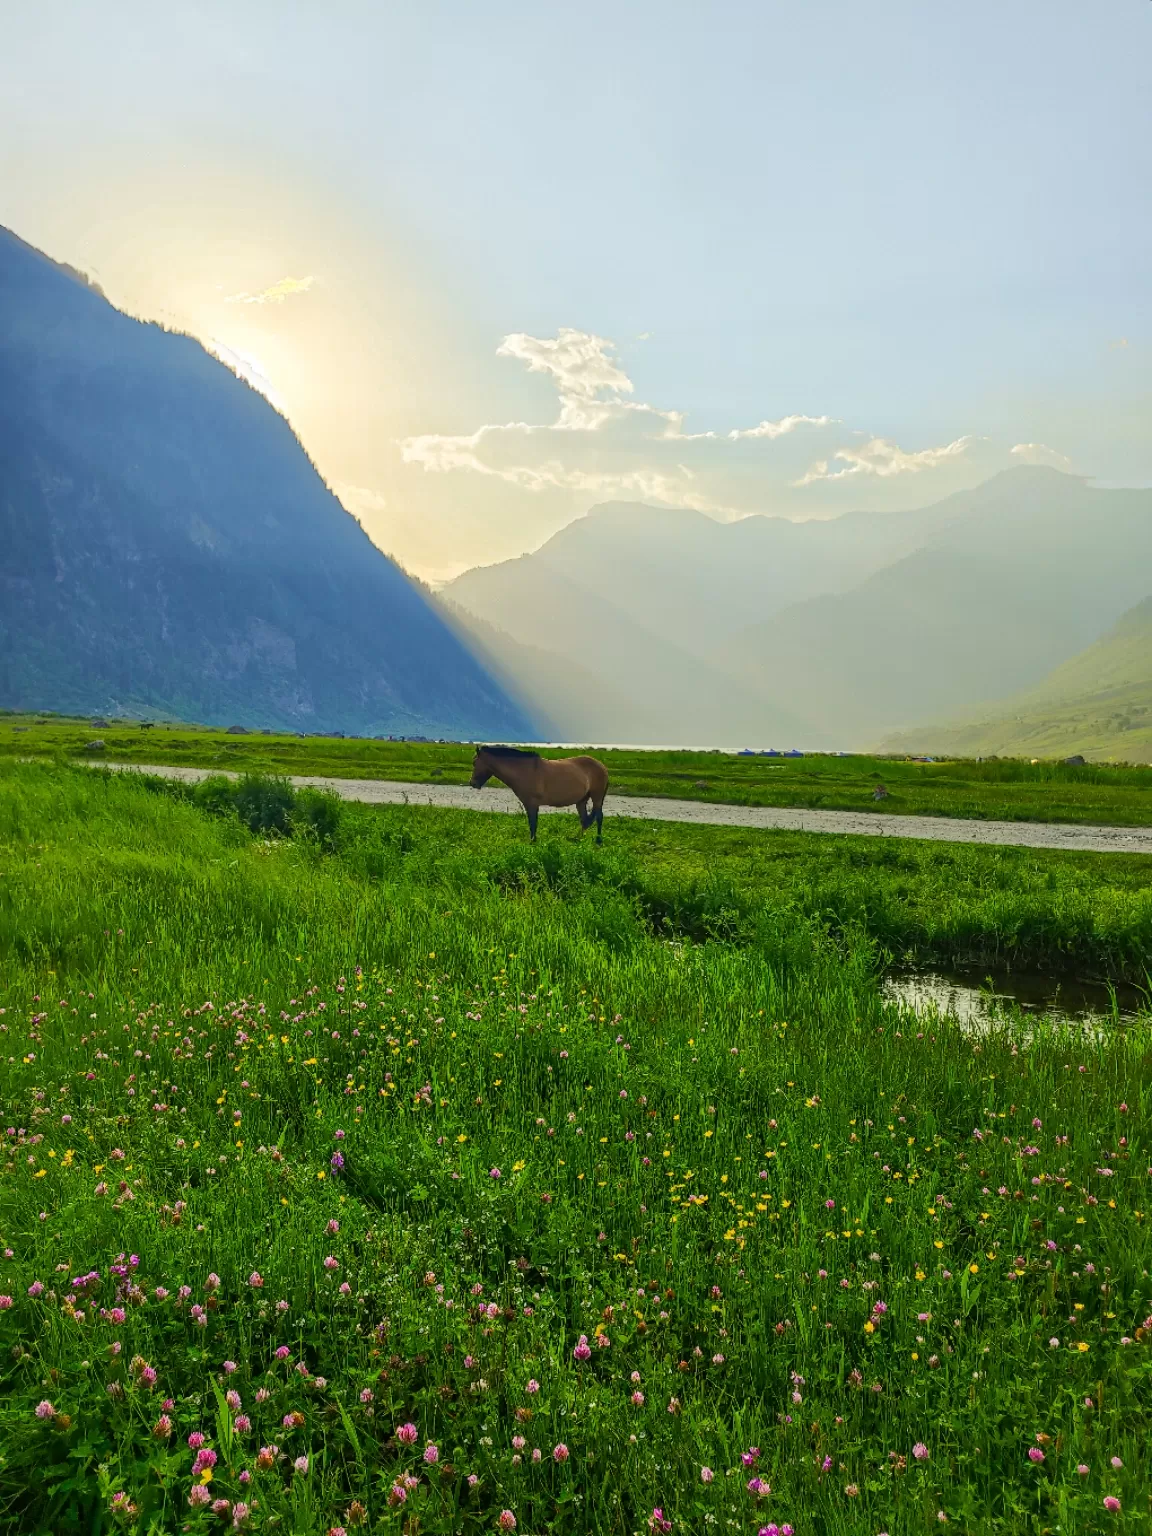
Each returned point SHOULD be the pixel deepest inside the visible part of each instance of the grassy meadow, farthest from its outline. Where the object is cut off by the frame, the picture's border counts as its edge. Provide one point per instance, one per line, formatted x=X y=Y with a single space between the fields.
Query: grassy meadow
x=997 y=789
x=369 y=1169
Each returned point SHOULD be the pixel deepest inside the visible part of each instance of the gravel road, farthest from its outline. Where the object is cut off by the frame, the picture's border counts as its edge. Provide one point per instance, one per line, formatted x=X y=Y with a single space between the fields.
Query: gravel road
x=943 y=829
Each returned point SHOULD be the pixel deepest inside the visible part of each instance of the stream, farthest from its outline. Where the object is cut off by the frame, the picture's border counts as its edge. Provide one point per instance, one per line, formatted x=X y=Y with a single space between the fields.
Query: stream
x=979 y=998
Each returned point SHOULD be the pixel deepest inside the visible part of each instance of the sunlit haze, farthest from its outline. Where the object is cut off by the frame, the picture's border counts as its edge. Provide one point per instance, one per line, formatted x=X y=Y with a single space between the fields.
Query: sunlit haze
x=497 y=264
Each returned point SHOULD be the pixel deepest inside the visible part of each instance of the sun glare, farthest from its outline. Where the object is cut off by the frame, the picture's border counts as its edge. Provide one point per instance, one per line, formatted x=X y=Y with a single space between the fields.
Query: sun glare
x=248 y=367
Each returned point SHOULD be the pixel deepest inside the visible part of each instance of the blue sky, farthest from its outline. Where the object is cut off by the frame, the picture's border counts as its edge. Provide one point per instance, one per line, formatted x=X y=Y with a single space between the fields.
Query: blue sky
x=930 y=225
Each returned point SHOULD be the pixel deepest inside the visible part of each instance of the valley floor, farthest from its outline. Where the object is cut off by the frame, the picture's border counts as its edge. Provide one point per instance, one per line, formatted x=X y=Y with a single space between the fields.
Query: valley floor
x=956 y=788
x=1017 y=834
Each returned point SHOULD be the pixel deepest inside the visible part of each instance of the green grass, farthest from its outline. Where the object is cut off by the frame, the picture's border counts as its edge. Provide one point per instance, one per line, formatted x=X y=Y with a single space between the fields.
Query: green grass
x=1004 y=789
x=805 y=1222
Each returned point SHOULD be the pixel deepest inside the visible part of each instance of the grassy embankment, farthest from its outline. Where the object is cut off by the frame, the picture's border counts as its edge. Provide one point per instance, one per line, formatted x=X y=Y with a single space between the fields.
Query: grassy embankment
x=1006 y=789
x=309 y=1146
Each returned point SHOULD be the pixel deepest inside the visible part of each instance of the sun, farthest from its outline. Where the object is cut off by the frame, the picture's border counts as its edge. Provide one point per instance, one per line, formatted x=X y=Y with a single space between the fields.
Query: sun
x=247 y=366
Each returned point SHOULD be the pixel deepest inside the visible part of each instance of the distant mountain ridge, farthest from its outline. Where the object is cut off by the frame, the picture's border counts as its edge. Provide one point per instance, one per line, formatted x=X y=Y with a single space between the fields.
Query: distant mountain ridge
x=670 y=568
x=168 y=546
x=829 y=634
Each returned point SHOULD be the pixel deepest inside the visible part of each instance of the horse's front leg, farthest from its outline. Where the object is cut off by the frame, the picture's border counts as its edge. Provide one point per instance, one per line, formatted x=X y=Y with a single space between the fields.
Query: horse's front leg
x=532 y=811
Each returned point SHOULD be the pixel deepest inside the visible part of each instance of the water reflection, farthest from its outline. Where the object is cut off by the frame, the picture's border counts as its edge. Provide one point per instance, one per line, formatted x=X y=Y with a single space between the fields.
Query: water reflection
x=978 y=999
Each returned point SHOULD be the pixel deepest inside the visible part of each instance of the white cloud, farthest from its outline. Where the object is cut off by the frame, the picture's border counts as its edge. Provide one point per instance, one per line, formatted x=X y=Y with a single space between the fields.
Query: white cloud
x=774 y=429
x=602 y=442
x=1040 y=453
x=286 y=288
x=441 y=455
x=882 y=458
x=582 y=368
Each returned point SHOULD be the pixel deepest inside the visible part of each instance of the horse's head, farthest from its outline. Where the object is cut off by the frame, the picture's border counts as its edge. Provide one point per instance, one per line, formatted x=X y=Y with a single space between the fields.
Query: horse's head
x=481 y=770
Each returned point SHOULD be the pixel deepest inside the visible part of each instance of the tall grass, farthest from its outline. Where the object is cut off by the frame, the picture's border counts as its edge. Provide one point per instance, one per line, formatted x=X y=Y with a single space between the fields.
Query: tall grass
x=308 y=1147
x=913 y=902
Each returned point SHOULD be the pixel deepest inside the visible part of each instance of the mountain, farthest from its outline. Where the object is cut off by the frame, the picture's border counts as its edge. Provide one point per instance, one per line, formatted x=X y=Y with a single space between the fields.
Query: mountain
x=826 y=634
x=687 y=578
x=1024 y=572
x=169 y=548
x=632 y=599
x=1098 y=704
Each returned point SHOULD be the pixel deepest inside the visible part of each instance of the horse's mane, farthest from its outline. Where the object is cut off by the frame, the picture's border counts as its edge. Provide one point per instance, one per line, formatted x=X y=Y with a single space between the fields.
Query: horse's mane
x=507 y=752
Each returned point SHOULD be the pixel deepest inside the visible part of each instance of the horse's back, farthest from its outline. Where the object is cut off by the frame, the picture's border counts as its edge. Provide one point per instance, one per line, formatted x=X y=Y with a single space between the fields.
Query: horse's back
x=596 y=773
x=570 y=780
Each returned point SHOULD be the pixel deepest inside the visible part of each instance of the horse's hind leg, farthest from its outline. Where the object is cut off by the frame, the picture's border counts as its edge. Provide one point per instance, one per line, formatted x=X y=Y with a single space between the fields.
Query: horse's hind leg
x=583 y=810
x=532 y=811
x=597 y=816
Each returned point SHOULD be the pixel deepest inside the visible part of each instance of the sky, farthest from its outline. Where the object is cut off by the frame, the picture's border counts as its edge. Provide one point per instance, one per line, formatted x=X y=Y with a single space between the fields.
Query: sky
x=500 y=263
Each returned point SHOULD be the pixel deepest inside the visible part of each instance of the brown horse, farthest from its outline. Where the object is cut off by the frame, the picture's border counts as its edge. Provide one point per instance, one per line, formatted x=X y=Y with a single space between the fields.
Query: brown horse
x=537 y=781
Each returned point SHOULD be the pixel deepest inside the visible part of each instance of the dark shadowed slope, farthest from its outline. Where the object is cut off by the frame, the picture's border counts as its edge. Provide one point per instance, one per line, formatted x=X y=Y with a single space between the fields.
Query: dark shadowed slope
x=1098 y=704
x=167 y=546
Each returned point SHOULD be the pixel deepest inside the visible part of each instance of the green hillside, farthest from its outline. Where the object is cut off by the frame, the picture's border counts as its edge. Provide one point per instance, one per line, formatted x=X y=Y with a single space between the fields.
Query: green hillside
x=1099 y=704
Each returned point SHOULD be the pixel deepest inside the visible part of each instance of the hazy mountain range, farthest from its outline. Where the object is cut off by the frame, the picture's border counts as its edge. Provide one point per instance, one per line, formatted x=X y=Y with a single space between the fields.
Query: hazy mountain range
x=826 y=634
x=167 y=546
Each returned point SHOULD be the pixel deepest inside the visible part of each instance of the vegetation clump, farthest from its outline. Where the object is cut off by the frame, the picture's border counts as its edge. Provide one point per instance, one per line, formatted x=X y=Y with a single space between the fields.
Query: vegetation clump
x=266 y=805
